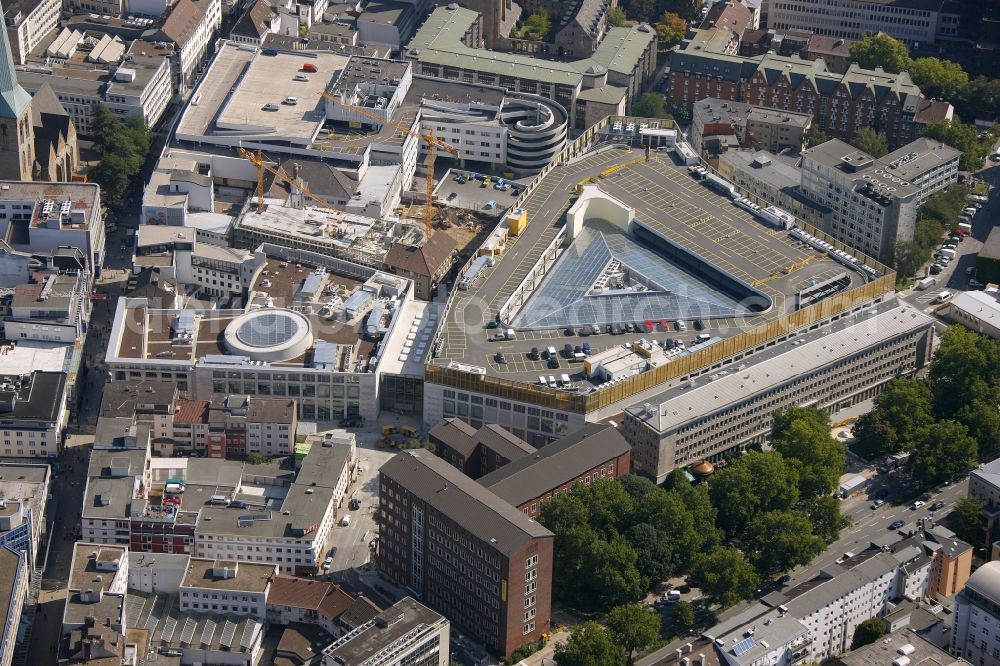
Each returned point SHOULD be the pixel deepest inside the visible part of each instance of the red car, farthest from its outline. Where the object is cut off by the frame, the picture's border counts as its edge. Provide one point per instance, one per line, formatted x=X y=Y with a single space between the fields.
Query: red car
x=664 y=325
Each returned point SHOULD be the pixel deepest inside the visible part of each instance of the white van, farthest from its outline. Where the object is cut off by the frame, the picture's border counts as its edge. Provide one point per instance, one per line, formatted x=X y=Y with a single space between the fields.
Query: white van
x=291 y=101
x=551 y=352
x=947 y=252
x=704 y=337
x=271 y=106
x=565 y=380
x=969 y=211
x=943 y=296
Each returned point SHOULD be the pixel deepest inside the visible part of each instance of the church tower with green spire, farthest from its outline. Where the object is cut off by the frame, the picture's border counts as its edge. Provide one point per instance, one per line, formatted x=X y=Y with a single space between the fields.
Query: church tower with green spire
x=17 y=141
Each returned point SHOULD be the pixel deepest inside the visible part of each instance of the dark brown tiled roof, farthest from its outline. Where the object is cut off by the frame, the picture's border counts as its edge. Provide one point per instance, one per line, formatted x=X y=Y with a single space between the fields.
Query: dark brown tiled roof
x=507 y=444
x=457 y=435
x=192 y=411
x=931 y=111
x=335 y=603
x=729 y=14
x=423 y=260
x=361 y=610
x=182 y=23
x=255 y=21
x=297 y=592
x=829 y=45
x=483 y=514
x=556 y=464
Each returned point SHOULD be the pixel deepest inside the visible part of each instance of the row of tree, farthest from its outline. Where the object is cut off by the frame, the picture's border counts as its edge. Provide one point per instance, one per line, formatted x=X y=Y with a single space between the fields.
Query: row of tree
x=616 y=538
x=948 y=421
x=628 y=628
x=124 y=146
x=939 y=213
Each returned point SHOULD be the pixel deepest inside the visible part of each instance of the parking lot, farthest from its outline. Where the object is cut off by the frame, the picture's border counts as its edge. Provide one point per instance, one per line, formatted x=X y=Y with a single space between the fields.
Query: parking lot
x=668 y=199
x=472 y=195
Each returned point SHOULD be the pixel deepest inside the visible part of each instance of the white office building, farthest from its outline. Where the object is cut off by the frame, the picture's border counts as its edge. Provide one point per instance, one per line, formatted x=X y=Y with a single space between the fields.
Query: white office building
x=975 y=634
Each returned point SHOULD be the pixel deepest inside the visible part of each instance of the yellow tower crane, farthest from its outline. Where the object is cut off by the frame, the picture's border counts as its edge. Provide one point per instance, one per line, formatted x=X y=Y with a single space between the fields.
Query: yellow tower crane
x=434 y=144
x=257 y=159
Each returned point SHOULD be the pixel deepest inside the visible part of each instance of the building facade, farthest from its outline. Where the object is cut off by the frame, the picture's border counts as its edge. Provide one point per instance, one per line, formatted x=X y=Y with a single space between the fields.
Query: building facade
x=464 y=552
x=717 y=415
x=915 y=22
x=976 y=628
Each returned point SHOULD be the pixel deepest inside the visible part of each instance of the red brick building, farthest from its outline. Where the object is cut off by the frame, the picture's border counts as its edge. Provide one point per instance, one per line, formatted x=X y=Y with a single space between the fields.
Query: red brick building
x=464 y=552
x=596 y=451
x=841 y=104
x=477 y=452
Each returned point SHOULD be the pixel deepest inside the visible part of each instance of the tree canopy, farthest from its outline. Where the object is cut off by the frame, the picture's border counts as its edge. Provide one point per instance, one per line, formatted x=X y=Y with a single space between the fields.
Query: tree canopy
x=868 y=632
x=777 y=541
x=968 y=520
x=753 y=484
x=124 y=146
x=650 y=105
x=633 y=627
x=536 y=27
x=589 y=644
x=944 y=451
x=943 y=79
x=901 y=412
x=670 y=30
x=616 y=17
x=880 y=50
x=802 y=436
x=725 y=576
x=961 y=137
x=814 y=136
x=872 y=142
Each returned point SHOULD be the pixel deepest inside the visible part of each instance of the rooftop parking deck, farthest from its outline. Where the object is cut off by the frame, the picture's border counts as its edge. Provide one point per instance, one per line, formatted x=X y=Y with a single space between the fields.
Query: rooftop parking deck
x=714 y=236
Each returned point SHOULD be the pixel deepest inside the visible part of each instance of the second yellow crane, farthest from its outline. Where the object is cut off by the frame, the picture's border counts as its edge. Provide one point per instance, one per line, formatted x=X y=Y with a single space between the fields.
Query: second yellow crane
x=434 y=144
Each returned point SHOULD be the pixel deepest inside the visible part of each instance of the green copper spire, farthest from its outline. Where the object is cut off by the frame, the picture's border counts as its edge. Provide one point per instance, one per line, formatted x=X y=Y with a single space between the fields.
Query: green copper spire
x=13 y=98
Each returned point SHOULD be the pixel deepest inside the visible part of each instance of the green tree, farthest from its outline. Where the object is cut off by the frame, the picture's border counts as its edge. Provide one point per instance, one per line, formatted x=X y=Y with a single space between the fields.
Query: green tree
x=725 y=576
x=982 y=419
x=814 y=136
x=650 y=105
x=689 y=10
x=699 y=504
x=961 y=137
x=824 y=514
x=868 y=632
x=589 y=644
x=944 y=451
x=872 y=142
x=536 y=27
x=802 y=436
x=683 y=615
x=901 y=412
x=608 y=505
x=880 y=50
x=968 y=520
x=754 y=484
x=670 y=30
x=633 y=627
x=656 y=557
x=112 y=174
x=962 y=358
x=616 y=17
x=780 y=540
x=938 y=78
x=256 y=459
x=979 y=98
x=611 y=576
x=641 y=10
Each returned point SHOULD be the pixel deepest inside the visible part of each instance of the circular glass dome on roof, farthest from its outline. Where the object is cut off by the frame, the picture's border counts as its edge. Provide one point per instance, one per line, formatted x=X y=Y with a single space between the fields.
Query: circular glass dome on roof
x=269 y=335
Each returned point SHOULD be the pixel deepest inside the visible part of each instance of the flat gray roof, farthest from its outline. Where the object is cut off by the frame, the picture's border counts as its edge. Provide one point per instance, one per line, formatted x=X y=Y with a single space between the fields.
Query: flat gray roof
x=776 y=365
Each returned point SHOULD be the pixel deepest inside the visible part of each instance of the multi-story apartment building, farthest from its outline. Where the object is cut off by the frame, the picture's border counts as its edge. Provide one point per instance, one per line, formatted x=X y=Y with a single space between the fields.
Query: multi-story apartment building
x=54 y=308
x=841 y=104
x=874 y=201
x=28 y=22
x=915 y=22
x=33 y=413
x=140 y=86
x=975 y=633
x=848 y=361
x=25 y=489
x=405 y=633
x=190 y=26
x=294 y=535
x=232 y=426
x=464 y=551
x=57 y=215
x=448 y=45
x=225 y=586
x=755 y=126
